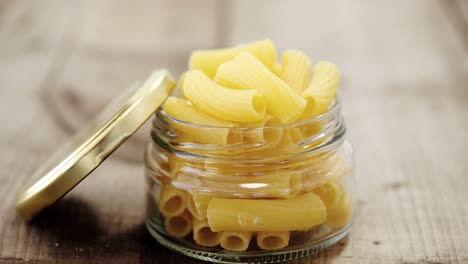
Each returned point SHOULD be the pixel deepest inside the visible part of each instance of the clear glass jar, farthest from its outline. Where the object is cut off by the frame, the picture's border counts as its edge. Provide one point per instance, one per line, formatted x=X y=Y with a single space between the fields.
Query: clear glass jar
x=249 y=194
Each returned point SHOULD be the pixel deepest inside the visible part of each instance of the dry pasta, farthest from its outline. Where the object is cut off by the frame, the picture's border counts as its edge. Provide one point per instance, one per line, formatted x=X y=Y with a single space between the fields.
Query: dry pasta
x=172 y=201
x=223 y=103
x=198 y=203
x=178 y=225
x=258 y=132
x=300 y=213
x=183 y=110
x=203 y=235
x=235 y=240
x=247 y=72
x=340 y=215
x=209 y=60
x=322 y=89
x=295 y=69
x=273 y=240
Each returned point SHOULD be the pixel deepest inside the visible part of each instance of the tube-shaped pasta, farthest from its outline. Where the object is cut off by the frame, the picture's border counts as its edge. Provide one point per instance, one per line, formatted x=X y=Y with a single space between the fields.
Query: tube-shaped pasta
x=223 y=103
x=322 y=89
x=198 y=203
x=178 y=225
x=259 y=133
x=247 y=72
x=340 y=215
x=183 y=110
x=331 y=194
x=209 y=60
x=273 y=240
x=283 y=184
x=235 y=240
x=203 y=235
x=295 y=69
x=172 y=201
x=300 y=213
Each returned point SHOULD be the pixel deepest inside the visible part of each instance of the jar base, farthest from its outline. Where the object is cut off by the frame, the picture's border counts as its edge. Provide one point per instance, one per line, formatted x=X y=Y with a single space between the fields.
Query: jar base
x=273 y=256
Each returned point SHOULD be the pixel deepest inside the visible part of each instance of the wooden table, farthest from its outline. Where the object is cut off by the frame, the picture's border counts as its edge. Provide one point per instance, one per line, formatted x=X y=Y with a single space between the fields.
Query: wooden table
x=405 y=93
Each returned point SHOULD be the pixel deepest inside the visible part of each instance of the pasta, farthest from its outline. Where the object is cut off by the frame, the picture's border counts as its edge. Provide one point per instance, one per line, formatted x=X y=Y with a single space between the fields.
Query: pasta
x=203 y=235
x=300 y=213
x=258 y=132
x=198 y=203
x=340 y=215
x=183 y=110
x=322 y=89
x=295 y=69
x=285 y=184
x=247 y=72
x=172 y=201
x=178 y=225
x=236 y=240
x=273 y=240
x=331 y=194
x=209 y=60
x=221 y=102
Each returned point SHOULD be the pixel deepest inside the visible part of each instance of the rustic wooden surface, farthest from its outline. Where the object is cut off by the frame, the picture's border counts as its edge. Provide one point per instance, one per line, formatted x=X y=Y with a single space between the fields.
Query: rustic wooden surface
x=405 y=92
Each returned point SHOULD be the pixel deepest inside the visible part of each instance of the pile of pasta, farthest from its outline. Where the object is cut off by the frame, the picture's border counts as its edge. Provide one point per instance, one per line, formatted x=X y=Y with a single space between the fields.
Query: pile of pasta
x=244 y=86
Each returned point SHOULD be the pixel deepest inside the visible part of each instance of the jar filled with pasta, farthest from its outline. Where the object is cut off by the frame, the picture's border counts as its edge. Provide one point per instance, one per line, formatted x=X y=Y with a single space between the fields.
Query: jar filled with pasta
x=250 y=163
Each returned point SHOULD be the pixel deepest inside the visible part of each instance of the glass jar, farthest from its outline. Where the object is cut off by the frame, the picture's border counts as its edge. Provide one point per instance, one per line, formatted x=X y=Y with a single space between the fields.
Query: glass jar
x=263 y=194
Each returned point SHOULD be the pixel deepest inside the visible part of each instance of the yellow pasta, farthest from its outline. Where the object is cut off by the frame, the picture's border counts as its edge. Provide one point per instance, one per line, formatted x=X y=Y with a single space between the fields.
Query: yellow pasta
x=331 y=194
x=340 y=215
x=198 y=203
x=247 y=72
x=172 y=201
x=273 y=240
x=295 y=69
x=209 y=60
x=203 y=235
x=260 y=131
x=276 y=69
x=223 y=103
x=300 y=213
x=178 y=225
x=284 y=184
x=235 y=240
x=322 y=89
x=183 y=110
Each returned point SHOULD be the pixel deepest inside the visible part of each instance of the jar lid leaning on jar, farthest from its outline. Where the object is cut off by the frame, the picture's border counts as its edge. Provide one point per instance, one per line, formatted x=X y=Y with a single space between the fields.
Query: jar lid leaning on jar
x=237 y=102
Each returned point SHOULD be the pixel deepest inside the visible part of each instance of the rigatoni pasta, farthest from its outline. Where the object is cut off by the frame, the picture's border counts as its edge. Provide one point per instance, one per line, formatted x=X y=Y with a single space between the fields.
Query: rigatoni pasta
x=295 y=69
x=273 y=240
x=178 y=225
x=209 y=60
x=221 y=102
x=203 y=235
x=235 y=240
x=247 y=72
x=300 y=213
x=172 y=201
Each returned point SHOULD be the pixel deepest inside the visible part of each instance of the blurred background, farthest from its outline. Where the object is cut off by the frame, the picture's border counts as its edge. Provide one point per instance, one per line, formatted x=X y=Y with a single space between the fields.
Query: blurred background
x=404 y=86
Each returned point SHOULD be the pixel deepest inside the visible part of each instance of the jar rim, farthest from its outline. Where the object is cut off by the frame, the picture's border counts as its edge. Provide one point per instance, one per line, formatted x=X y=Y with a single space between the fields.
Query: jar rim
x=332 y=111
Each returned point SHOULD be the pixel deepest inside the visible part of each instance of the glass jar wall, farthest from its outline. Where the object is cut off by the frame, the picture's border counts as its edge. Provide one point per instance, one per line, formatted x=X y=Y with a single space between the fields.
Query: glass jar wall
x=268 y=193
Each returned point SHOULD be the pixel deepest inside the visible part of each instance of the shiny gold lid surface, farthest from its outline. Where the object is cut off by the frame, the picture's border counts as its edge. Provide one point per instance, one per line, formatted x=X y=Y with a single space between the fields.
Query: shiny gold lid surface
x=94 y=143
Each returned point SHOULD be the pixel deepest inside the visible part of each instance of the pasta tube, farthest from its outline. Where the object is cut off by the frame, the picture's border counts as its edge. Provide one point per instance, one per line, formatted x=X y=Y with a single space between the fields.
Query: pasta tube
x=322 y=89
x=331 y=194
x=260 y=131
x=295 y=69
x=236 y=240
x=273 y=185
x=273 y=240
x=209 y=60
x=178 y=225
x=172 y=201
x=203 y=235
x=340 y=215
x=223 y=103
x=183 y=110
x=247 y=72
x=198 y=203
x=300 y=213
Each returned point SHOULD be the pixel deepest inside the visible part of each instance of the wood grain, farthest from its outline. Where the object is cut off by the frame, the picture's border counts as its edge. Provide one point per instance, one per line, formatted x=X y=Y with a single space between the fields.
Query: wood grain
x=405 y=70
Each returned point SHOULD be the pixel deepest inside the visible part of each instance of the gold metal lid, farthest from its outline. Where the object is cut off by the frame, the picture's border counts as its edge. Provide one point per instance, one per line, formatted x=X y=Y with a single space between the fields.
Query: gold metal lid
x=94 y=143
